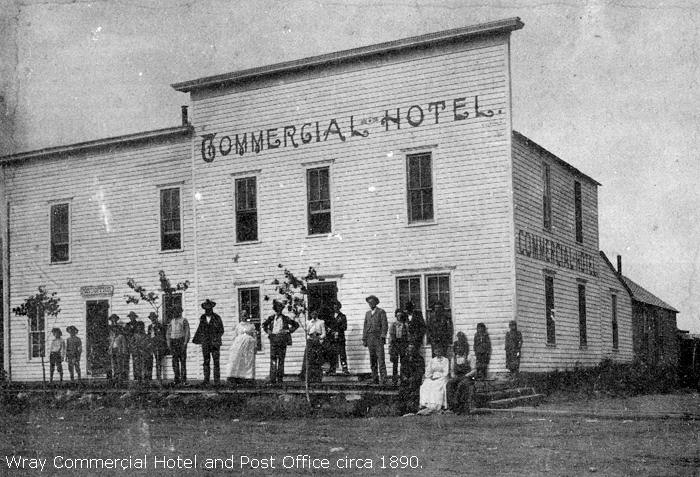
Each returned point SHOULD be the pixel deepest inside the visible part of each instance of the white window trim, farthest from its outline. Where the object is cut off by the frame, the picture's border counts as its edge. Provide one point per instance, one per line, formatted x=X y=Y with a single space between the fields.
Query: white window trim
x=245 y=175
x=424 y=274
x=432 y=149
x=30 y=358
x=306 y=166
x=179 y=186
x=69 y=202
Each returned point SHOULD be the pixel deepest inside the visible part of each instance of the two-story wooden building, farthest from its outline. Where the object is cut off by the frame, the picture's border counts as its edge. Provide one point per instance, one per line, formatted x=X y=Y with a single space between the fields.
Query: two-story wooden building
x=393 y=169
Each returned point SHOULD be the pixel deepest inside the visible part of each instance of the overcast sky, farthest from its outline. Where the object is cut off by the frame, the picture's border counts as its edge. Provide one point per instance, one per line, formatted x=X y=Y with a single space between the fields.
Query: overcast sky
x=610 y=87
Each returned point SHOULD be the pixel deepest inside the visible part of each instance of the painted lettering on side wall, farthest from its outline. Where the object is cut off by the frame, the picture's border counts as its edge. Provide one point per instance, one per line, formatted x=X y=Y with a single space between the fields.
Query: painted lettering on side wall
x=296 y=135
x=551 y=251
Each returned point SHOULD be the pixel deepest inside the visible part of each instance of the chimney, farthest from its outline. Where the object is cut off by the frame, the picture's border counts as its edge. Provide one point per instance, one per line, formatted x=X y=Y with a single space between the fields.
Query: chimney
x=185 y=122
x=619 y=264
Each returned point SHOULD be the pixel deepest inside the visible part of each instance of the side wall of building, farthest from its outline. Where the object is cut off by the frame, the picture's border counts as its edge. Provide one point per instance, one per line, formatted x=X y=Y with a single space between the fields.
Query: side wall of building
x=372 y=244
x=655 y=334
x=554 y=252
x=114 y=233
x=610 y=286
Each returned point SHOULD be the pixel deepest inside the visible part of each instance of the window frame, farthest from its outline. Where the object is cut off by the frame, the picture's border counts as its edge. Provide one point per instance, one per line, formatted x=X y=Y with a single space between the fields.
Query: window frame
x=40 y=334
x=236 y=180
x=57 y=203
x=257 y=322
x=546 y=196
x=308 y=168
x=582 y=318
x=407 y=165
x=550 y=315
x=161 y=189
x=164 y=309
x=424 y=304
x=578 y=211
x=614 y=323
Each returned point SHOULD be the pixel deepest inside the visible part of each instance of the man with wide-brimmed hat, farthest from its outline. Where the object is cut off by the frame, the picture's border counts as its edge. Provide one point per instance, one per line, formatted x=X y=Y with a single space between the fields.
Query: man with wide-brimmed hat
x=129 y=331
x=74 y=348
x=337 y=324
x=118 y=351
x=279 y=328
x=374 y=338
x=208 y=334
x=159 y=346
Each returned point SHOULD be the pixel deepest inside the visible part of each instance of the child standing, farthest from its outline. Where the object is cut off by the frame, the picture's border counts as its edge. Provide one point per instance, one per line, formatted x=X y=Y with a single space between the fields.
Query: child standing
x=57 y=352
x=398 y=345
x=74 y=348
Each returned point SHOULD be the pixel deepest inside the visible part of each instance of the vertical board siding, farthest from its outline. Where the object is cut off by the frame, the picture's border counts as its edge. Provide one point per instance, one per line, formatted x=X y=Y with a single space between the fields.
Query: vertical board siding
x=528 y=190
x=371 y=240
x=114 y=232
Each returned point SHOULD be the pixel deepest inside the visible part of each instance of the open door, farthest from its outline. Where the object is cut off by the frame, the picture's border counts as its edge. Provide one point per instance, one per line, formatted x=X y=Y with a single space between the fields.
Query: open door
x=97 y=337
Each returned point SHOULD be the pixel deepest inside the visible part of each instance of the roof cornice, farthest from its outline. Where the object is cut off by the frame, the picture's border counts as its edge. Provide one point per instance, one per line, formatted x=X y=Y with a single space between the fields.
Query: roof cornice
x=99 y=144
x=482 y=29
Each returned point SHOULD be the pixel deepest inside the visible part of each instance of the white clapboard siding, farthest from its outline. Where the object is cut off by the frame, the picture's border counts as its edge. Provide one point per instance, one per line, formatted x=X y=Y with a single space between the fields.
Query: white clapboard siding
x=528 y=190
x=371 y=244
x=114 y=234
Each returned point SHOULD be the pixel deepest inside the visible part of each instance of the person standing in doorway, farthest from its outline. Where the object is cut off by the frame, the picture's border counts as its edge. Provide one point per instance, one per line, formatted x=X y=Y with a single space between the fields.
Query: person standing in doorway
x=279 y=328
x=415 y=325
x=337 y=324
x=514 y=342
x=482 y=351
x=398 y=346
x=374 y=334
x=208 y=334
x=159 y=346
x=177 y=336
x=440 y=329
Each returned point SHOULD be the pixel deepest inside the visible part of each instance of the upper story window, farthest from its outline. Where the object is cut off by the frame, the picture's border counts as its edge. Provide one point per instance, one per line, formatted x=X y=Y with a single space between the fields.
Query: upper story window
x=60 y=233
x=420 y=187
x=578 y=212
x=319 y=200
x=246 y=210
x=170 y=219
x=546 y=197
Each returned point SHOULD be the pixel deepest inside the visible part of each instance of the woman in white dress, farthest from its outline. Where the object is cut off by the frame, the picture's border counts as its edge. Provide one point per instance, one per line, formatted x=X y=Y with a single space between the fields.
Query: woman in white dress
x=433 y=391
x=241 y=358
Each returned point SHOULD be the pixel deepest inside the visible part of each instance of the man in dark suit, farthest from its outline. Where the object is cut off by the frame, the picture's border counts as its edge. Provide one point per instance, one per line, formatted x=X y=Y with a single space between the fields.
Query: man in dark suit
x=415 y=324
x=279 y=328
x=336 y=325
x=208 y=334
x=374 y=338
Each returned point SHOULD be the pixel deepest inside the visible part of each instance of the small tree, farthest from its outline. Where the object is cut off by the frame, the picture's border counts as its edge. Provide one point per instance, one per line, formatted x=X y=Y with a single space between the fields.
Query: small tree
x=152 y=297
x=294 y=292
x=37 y=307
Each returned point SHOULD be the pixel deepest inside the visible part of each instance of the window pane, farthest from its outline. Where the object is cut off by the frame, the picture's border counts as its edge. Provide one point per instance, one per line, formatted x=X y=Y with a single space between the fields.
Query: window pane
x=578 y=212
x=60 y=233
x=420 y=191
x=246 y=210
x=546 y=197
x=318 y=200
x=549 y=307
x=614 y=322
x=583 y=339
x=170 y=231
x=249 y=308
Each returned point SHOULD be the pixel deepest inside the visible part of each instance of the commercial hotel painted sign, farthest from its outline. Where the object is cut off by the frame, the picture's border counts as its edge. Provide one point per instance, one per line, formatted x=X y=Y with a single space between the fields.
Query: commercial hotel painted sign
x=295 y=135
x=551 y=251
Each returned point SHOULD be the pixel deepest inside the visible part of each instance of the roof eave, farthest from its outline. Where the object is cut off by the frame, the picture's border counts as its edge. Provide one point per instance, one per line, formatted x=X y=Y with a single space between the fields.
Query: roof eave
x=99 y=144
x=490 y=28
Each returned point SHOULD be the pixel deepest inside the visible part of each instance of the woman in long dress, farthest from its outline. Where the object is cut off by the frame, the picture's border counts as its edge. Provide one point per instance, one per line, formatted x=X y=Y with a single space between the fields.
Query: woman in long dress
x=433 y=391
x=241 y=358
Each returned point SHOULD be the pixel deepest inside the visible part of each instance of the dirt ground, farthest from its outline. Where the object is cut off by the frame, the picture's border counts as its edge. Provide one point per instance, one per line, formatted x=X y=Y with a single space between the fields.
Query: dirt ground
x=441 y=445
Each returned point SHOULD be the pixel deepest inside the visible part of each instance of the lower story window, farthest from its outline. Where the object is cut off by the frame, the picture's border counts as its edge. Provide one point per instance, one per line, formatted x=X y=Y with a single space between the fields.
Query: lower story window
x=428 y=289
x=37 y=336
x=549 y=308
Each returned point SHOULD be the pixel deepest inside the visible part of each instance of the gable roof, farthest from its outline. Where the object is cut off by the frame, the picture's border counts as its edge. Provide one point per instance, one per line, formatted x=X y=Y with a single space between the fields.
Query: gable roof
x=617 y=275
x=529 y=142
x=473 y=31
x=644 y=296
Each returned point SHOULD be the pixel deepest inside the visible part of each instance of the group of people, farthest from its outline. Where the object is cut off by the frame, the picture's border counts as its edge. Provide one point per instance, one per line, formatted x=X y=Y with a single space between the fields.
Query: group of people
x=68 y=350
x=446 y=382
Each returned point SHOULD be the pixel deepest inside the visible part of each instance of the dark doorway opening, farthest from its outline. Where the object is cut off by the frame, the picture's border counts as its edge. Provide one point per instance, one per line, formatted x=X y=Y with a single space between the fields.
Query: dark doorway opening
x=322 y=295
x=97 y=337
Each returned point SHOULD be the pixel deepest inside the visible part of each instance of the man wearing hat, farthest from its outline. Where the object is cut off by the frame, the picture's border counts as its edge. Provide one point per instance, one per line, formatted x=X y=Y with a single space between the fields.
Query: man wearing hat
x=74 y=348
x=208 y=334
x=374 y=338
x=336 y=325
x=279 y=328
x=129 y=332
x=118 y=350
x=159 y=346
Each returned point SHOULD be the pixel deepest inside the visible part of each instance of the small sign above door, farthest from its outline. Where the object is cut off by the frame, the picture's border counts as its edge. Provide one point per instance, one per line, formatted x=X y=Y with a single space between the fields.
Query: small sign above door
x=96 y=290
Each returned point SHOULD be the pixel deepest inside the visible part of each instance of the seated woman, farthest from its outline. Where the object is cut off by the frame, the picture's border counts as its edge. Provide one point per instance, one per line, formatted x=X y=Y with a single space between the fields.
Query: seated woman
x=460 y=388
x=433 y=391
x=241 y=358
x=316 y=334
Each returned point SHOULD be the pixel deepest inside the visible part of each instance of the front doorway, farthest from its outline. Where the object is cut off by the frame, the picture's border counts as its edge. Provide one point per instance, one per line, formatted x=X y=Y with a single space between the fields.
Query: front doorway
x=97 y=337
x=322 y=295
